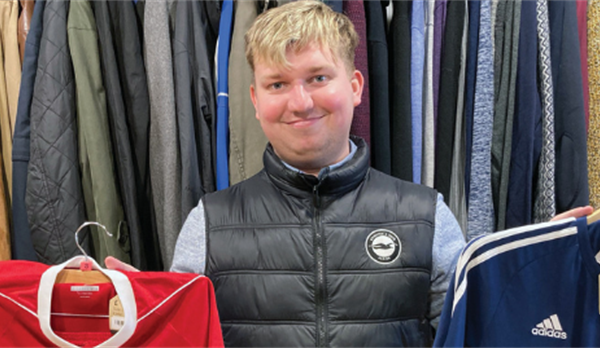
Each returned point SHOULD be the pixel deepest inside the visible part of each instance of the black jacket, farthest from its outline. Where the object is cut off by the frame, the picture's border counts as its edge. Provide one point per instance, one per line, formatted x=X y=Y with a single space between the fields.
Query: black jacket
x=196 y=102
x=54 y=196
x=124 y=79
x=399 y=84
x=572 y=188
x=343 y=260
x=379 y=72
x=22 y=246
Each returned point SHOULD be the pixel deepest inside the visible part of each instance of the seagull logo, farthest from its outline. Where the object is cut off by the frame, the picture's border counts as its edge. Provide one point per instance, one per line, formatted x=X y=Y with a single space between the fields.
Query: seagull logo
x=383 y=246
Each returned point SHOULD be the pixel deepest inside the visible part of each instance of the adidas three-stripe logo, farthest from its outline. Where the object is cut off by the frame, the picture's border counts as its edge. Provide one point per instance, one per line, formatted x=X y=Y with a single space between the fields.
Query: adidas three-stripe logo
x=550 y=327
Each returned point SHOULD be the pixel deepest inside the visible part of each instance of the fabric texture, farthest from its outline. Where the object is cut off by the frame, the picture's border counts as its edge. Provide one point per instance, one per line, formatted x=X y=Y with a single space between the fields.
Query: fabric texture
x=12 y=58
x=129 y=59
x=22 y=246
x=539 y=277
x=195 y=99
x=171 y=310
x=458 y=201
x=438 y=43
x=506 y=56
x=24 y=24
x=448 y=93
x=246 y=138
x=128 y=109
x=400 y=92
x=53 y=197
x=571 y=186
x=427 y=163
x=100 y=192
x=417 y=62
x=545 y=201
x=527 y=121
x=361 y=122
x=6 y=137
x=593 y=139
x=448 y=241
x=283 y=197
x=10 y=77
x=5 y=223
x=473 y=42
x=582 y=26
x=481 y=209
x=379 y=71
x=222 y=139
x=165 y=161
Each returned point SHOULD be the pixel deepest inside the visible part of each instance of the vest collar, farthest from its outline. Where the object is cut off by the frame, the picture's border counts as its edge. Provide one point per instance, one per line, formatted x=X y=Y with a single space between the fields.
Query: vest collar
x=337 y=181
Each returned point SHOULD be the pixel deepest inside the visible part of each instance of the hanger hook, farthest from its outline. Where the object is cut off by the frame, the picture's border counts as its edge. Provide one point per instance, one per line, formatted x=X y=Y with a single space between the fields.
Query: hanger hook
x=85 y=224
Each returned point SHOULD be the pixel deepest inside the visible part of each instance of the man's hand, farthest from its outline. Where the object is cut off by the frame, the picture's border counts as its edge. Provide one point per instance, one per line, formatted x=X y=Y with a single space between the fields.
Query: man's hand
x=576 y=213
x=113 y=263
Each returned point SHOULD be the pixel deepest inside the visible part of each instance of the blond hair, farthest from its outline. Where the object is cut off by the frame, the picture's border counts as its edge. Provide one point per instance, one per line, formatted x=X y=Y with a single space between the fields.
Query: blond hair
x=296 y=25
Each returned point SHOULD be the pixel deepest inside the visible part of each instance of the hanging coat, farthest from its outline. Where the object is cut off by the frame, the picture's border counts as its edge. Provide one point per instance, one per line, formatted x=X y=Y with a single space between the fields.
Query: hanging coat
x=22 y=246
x=128 y=114
x=381 y=157
x=102 y=200
x=195 y=99
x=165 y=161
x=246 y=138
x=24 y=24
x=127 y=34
x=399 y=84
x=53 y=198
x=572 y=188
x=10 y=78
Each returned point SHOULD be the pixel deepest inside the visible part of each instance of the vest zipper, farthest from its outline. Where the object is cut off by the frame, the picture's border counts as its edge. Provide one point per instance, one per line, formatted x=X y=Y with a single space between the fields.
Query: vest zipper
x=321 y=290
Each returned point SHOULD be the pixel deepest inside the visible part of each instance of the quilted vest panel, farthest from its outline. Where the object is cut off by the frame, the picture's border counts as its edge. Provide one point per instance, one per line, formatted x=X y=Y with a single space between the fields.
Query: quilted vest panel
x=343 y=260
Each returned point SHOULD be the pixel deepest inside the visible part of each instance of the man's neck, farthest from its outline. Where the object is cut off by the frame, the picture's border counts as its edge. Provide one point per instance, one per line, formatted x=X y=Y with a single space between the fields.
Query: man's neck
x=317 y=172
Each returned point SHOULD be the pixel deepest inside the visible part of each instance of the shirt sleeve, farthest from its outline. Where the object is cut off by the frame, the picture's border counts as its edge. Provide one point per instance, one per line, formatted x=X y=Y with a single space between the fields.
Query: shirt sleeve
x=190 y=250
x=448 y=242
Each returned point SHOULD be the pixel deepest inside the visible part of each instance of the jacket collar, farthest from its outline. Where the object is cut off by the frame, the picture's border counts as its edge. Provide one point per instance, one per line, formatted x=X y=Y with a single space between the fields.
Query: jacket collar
x=337 y=181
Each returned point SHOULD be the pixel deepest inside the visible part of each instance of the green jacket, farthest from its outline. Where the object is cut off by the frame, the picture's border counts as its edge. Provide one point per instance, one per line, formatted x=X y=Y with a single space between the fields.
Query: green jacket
x=102 y=201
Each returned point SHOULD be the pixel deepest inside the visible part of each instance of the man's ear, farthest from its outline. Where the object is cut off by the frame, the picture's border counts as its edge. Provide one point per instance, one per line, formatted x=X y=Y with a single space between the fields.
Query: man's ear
x=253 y=97
x=358 y=81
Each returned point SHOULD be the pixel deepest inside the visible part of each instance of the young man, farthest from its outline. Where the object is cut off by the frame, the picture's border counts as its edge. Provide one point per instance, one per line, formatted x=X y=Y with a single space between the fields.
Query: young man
x=318 y=249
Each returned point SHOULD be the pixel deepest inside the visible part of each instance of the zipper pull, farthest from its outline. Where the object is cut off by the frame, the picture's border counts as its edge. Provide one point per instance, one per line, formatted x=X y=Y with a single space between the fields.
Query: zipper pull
x=316 y=199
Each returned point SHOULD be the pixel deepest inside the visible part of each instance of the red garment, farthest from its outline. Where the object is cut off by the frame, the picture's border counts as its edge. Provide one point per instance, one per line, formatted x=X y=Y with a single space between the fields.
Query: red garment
x=361 y=123
x=164 y=309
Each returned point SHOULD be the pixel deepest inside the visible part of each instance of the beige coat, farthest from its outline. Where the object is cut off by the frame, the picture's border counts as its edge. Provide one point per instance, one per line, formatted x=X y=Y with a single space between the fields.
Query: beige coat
x=10 y=79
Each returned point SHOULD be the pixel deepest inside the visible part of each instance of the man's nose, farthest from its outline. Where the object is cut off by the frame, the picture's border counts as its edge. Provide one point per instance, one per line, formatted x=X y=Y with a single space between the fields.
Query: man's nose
x=300 y=99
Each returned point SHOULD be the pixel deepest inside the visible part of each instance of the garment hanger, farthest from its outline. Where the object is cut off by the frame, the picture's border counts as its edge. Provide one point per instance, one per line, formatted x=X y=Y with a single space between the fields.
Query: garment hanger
x=85 y=270
x=593 y=217
x=85 y=274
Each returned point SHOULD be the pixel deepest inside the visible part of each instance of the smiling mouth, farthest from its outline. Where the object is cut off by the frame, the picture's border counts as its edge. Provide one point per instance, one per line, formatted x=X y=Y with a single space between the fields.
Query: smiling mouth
x=307 y=122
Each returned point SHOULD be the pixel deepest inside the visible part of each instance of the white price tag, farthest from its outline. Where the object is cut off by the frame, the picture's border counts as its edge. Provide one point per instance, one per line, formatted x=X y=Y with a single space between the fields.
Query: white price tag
x=116 y=314
x=116 y=323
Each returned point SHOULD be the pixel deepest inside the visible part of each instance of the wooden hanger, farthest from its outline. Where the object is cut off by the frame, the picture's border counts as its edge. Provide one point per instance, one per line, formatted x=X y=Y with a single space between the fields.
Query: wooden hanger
x=593 y=217
x=83 y=277
x=85 y=274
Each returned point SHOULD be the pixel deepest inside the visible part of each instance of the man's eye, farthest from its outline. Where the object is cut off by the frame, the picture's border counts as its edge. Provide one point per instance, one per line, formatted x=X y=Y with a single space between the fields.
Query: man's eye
x=276 y=85
x=320 y=78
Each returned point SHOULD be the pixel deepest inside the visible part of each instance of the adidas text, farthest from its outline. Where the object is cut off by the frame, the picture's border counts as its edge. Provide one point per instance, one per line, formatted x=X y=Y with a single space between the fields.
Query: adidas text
x=549 y=333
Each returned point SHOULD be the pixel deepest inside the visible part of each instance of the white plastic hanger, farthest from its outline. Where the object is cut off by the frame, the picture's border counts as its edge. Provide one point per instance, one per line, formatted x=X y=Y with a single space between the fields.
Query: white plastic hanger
x=83 y=273
x=87 y=269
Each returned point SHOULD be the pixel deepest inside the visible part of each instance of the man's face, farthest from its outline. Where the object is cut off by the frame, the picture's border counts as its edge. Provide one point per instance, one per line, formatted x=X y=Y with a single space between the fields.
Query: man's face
x=306 y=110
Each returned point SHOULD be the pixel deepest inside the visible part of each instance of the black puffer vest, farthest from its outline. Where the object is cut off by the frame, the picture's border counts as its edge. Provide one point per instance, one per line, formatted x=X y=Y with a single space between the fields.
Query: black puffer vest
x=344 y=260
